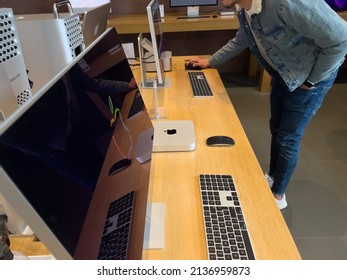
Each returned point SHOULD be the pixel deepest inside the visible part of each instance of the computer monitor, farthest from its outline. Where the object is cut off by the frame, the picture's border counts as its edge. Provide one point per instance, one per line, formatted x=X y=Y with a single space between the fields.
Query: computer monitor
x=87 y=3
x=337 y=5
x=192 y=5
x=153 y=58
x=58 y=150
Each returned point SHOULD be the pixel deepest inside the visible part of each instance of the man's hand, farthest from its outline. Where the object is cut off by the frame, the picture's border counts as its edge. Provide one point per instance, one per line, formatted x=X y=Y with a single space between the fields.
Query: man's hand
x=196 y=61
x=305 y=87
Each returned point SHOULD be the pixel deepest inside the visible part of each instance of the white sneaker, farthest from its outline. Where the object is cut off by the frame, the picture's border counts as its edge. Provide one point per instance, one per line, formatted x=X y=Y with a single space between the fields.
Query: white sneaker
x=269 y=180
x=281 y=203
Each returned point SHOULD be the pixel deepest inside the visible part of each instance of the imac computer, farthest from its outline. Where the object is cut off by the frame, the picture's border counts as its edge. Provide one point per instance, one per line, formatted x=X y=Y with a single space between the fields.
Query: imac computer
x=70 y=156
x=87 y=3
x=193 y=6
x=153 y=58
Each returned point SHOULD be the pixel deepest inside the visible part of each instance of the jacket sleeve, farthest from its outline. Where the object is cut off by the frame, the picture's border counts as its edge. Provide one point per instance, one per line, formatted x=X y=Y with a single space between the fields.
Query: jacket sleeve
x=230 y=50
x=102 y=86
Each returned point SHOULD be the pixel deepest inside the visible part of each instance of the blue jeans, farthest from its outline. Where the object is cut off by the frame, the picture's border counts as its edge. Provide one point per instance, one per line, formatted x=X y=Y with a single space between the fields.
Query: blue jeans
x=290 y=114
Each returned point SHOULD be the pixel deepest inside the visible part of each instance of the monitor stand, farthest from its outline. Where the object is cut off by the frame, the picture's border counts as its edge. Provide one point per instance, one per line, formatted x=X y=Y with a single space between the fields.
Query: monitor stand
x=155 y=226
x=148 y=82
x=147 y=58
x=157 y=112
x=193 y=12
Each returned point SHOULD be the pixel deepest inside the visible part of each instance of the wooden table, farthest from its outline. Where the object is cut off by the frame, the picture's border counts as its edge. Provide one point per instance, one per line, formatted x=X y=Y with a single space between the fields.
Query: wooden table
x=174 y=175
x=138 y=23
x=28 y=245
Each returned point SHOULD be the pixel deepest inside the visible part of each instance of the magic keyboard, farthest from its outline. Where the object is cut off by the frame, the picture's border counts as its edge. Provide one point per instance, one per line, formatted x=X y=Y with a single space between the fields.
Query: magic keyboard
x=199 y=84
x=225 y=228
x=115 y=240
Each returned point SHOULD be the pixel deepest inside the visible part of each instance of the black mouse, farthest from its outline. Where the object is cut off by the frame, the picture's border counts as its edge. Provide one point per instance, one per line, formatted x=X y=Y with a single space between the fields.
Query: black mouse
x=190 y=66
x=220 y=140
x=119 y=165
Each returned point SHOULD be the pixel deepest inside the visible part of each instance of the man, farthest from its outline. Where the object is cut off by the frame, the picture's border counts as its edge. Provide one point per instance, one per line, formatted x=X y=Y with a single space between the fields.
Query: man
x=5 y=252
x=301 y=44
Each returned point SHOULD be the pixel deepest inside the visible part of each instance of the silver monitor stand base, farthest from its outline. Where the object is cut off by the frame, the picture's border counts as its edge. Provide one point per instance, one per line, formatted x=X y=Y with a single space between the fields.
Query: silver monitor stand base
x=155 y=226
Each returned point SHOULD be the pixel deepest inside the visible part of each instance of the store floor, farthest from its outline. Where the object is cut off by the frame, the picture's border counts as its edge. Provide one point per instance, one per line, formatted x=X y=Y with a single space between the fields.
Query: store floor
x=317 y=193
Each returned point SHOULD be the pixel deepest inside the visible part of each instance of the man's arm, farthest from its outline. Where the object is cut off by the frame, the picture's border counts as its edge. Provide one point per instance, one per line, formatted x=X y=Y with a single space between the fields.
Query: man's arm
x=227 y=52
x=230 y=50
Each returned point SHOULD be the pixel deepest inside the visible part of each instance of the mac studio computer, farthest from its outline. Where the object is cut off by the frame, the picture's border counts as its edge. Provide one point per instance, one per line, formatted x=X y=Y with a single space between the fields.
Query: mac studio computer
x=59 y=152
x=153 y=58
x=192 y=6
x=49 y=42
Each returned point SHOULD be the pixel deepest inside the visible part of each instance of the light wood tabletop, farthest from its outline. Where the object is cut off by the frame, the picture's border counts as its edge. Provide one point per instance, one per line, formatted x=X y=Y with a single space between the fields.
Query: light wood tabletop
x=28 y=245
x=174 y=175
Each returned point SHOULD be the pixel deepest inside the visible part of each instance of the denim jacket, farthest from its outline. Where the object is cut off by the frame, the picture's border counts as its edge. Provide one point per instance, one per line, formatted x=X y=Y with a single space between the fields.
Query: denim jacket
x=303 y=39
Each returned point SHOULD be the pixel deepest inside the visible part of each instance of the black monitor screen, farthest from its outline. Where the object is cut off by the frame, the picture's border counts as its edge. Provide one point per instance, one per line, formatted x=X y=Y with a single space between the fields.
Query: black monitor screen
x=54 y=152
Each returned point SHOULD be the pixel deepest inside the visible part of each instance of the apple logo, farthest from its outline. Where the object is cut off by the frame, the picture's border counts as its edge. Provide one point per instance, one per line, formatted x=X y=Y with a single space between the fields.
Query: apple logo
x=171 y=131
x=96 y=29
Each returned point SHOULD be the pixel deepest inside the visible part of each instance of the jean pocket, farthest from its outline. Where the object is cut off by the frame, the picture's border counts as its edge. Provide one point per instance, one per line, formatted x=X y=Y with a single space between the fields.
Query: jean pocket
x=328 y=82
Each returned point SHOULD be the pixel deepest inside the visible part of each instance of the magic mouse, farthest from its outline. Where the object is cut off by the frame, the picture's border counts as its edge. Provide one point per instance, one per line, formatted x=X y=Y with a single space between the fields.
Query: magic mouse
x=119 y=165
x=190 y=66
x=220 y=140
